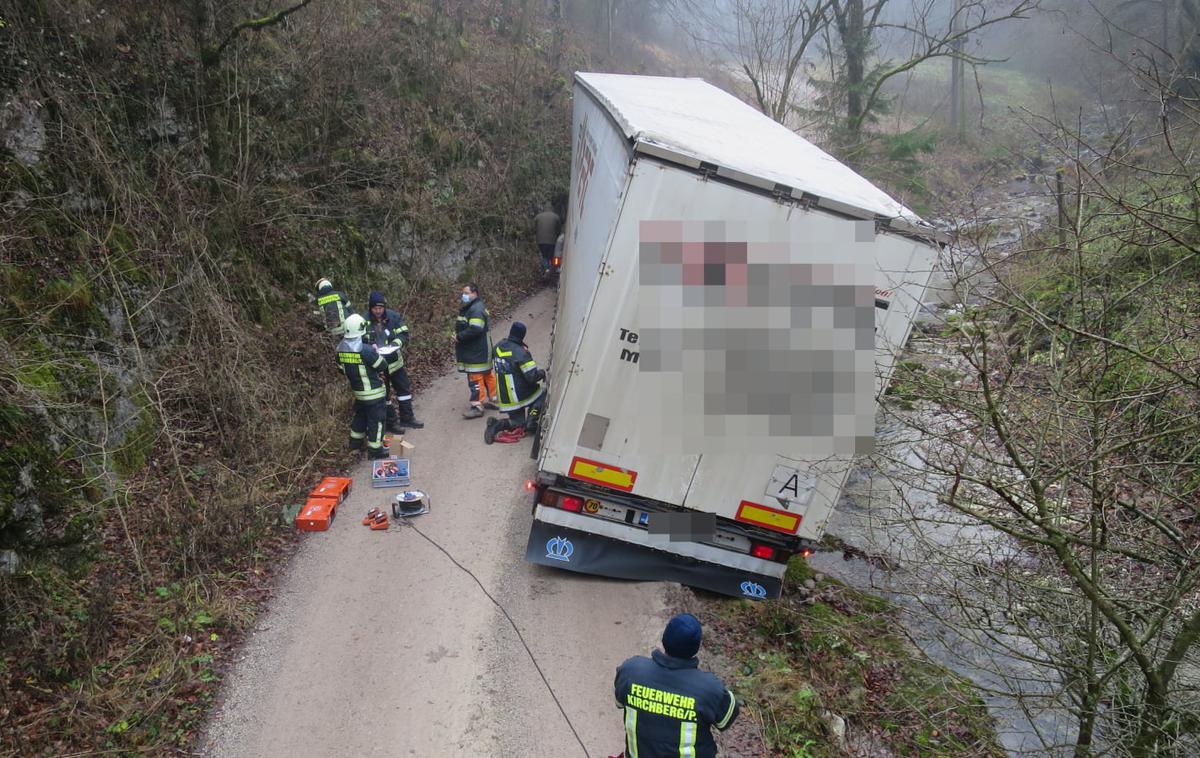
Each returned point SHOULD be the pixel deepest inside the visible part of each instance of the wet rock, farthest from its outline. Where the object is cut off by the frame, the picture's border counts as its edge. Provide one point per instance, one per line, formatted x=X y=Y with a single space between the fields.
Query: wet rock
x=23 y=131
x=837 y=728
x=163 y=124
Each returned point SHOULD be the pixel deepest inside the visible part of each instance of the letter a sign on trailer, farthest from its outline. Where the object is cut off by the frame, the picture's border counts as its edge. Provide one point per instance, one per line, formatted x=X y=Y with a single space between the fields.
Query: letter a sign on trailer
x=790 y=487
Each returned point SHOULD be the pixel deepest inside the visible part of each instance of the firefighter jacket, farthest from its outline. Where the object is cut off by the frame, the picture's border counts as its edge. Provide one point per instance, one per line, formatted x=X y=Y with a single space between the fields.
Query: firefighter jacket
x=336 y=307
x=389 y=331
x=517 y=376
x=473 y=351
x=363 y=368
x=671 y=706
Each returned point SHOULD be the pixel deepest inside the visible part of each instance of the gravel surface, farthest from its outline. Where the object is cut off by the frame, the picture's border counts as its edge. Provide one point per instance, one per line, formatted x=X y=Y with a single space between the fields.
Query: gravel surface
x=377 y=644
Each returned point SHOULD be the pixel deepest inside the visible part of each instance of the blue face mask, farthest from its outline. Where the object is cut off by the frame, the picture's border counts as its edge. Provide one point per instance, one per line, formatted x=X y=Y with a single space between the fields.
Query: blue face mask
x=466 y=298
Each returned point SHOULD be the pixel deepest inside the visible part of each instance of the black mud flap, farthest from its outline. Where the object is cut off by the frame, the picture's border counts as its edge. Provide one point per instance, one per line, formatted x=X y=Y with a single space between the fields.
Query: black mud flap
x=573 y=550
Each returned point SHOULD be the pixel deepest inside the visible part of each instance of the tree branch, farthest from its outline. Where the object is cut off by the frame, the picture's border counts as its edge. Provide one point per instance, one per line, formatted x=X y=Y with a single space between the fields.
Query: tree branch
x=212 y=56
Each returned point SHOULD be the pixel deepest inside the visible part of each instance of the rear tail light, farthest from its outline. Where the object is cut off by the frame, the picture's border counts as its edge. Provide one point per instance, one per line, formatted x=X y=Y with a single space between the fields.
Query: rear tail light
x=530 y=485
x=559 y=500
x=766 y=552
x=769 y=553
x=557 y=261
x=570 y=503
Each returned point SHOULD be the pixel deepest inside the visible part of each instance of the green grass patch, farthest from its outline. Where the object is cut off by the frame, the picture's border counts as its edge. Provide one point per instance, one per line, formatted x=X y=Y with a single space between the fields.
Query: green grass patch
x=833 y=651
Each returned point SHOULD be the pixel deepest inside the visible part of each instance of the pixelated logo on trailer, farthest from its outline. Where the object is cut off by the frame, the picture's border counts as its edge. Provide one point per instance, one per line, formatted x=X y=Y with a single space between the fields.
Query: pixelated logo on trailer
x=752 y=338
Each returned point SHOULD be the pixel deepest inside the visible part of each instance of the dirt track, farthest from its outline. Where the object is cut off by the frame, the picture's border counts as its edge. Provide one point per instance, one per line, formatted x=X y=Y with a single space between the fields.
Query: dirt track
x=377 y=644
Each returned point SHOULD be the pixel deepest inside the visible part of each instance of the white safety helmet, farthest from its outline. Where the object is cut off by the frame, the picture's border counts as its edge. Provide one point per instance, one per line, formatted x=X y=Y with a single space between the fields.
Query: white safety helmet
x=323 y=283
x=356 y=326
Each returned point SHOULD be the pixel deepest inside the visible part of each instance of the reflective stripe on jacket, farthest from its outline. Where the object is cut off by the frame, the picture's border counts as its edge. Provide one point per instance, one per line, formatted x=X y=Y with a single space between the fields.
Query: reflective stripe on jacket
x=363 y=369
x=473 y=351
x=517 y=376
x=671 y=706
x=336 y=307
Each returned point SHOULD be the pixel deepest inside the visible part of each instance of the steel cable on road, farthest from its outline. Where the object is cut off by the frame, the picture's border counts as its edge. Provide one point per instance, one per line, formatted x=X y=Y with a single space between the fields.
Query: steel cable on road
x=513 y=624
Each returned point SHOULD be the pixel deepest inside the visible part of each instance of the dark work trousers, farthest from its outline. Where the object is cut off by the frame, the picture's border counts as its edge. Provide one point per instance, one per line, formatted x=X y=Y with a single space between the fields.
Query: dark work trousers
x=401 y=385
x=368 y=423
x=526 y=416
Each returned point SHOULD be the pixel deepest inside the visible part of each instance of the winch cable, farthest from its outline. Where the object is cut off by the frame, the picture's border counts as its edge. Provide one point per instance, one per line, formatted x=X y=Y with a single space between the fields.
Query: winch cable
x=521 y=637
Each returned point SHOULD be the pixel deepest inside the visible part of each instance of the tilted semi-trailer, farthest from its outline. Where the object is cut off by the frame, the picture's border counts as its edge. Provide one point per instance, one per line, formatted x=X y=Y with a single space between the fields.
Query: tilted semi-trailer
x=731 y=304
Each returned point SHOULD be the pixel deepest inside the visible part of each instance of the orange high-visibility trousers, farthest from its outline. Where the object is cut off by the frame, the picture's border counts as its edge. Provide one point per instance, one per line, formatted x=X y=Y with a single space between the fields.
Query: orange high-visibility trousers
x=480 y=383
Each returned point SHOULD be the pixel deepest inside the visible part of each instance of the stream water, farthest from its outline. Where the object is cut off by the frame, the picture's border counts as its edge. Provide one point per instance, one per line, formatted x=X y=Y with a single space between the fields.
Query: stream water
x=921 y=539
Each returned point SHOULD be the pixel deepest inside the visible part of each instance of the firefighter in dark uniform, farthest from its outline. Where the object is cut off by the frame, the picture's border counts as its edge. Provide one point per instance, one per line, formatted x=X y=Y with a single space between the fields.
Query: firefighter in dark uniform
x=336 y=307
x=519 y=386
x=473 y=351
x=389 y=330
x=670 y=704
x=365 y=369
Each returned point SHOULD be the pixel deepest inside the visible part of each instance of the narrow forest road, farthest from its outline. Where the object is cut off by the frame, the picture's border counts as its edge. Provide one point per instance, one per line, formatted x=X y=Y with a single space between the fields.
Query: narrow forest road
x=377 y=644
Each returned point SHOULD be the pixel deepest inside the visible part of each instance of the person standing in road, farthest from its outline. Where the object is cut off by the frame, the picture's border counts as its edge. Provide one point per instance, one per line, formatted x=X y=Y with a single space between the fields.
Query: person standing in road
x=519 y=385
x=388 y=330
x=545 y=231
x=670 y=704
x=473 y=351
x=365 y=370
x=336 y=307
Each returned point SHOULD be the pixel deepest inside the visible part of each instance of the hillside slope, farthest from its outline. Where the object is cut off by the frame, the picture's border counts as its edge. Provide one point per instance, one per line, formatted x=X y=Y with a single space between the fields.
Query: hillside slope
x=174 y=178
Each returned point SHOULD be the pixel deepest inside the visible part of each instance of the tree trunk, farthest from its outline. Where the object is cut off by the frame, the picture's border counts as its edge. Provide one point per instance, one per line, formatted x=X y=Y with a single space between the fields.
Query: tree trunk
x=854 y=46
x=210 y=93
x=957 y=117
x=609 y=9
x=1150 y=734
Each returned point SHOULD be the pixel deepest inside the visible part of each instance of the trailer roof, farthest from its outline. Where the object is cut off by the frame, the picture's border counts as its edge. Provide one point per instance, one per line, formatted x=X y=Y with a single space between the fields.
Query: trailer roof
x=690 y=121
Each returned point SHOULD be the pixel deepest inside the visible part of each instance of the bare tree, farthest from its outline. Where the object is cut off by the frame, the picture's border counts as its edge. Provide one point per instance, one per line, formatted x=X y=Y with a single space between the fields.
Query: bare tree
x=1061 y=437
x=860 y=27
x=771 y=41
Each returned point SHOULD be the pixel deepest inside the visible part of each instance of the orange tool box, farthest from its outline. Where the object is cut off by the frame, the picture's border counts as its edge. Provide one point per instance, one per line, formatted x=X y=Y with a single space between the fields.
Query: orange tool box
x=336 y=487
x=317 y=514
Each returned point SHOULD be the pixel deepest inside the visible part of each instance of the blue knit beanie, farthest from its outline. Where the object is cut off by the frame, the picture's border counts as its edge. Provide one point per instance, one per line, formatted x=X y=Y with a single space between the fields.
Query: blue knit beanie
x=681 y=639
x=517 y=332
x=376 y=298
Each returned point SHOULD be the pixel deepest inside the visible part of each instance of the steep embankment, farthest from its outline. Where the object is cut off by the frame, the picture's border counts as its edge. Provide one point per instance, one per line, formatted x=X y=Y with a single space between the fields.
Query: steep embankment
x=174 y=177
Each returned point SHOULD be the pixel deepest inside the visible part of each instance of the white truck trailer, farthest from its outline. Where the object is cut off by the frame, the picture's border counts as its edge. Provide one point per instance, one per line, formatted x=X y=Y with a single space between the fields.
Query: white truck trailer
x=708 y=388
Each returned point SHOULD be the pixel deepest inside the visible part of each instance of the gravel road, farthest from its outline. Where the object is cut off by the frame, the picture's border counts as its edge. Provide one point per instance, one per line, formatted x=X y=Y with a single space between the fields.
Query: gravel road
x=377 y=644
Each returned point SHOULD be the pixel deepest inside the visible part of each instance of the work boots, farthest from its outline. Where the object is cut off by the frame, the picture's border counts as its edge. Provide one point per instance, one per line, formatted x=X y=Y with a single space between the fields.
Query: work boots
x=393 y=423
x=473 y=412
x=494 y=426
x=377 y=453
x=407 y=417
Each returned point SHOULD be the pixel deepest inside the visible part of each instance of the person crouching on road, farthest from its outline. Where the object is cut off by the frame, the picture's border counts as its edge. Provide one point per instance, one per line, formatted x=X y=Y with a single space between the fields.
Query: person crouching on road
x=473 y=351
x=389 y=330
x=519 y=384
x=670 y=704
x=365 y=369
x=335 y=306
